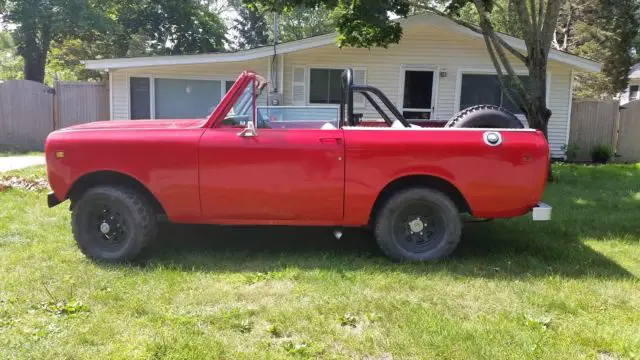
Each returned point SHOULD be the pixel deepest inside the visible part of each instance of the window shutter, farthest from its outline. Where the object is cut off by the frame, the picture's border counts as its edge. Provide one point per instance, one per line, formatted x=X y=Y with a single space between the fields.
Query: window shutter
x=359 y=78
x=299 y=86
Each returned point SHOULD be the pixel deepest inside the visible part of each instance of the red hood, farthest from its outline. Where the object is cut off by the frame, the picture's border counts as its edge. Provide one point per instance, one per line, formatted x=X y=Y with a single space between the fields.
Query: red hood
x=139 y=124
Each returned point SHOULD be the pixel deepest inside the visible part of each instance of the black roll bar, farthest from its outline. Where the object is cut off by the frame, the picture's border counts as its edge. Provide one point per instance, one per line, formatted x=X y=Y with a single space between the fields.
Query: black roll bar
x=346 y=101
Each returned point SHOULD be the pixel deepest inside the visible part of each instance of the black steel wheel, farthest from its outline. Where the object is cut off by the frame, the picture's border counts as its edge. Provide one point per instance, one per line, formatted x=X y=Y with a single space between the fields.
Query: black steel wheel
x=418 y=224
x=112 y=224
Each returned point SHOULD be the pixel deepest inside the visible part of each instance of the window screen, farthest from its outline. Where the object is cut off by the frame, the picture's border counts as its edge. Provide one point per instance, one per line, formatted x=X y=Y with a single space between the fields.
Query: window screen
x=140 y=89
x=478 y=89
x=324 y=86
x=186 y=99
x=418 y=87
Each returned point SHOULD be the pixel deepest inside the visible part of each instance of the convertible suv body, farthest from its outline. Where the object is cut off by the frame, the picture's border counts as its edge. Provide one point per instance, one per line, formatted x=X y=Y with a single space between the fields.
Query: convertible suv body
x=246 y=165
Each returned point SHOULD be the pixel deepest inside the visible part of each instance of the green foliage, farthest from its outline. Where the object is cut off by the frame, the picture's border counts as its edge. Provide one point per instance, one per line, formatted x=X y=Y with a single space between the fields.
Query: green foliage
x=539 y=323
x=605 y=31
x=275 y=331
x=72 y=30
x=503 y=17
x=601 y=154
x=65 y=62
x=301 y=348
x=251 y=25
x=349 y=320
x=301 y=23
x=246 y=326
x=359 y=23
x=622 y=21
x=10 y=62
x=571 y=151
x=39 y=23
x=65 y=308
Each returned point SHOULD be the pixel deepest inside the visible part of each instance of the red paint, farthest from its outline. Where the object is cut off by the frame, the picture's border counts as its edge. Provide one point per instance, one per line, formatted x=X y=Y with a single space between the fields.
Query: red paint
x=203 y=173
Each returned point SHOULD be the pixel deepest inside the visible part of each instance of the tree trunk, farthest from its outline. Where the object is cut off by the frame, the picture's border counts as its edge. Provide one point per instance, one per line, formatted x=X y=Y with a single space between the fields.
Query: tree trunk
x=34 y=65
x=36 y=41
x=537 y=112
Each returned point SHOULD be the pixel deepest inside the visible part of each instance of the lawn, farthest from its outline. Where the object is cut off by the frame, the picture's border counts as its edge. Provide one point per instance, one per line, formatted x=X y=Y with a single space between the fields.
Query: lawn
x=515 y=289
x=5 y=153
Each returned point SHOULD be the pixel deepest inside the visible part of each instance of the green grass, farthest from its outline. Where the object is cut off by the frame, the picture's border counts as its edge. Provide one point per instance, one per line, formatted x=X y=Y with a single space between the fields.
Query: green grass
x=20 y=153
x=514 y=289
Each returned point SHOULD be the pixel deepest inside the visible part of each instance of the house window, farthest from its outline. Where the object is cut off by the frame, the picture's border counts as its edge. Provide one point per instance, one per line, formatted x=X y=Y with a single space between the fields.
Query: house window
x=324 y=86
x=479 y=89
x=227 y=85
x=633 y=92
x=169 y=98
x=140 y=89
x=417 y=95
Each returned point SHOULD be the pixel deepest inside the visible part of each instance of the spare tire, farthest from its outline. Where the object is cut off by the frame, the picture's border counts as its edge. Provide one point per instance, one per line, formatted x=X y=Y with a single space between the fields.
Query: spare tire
x=485 y=116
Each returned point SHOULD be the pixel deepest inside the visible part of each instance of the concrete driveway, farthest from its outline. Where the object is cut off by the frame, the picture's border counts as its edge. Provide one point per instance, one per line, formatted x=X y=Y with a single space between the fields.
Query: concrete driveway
x=18 y=162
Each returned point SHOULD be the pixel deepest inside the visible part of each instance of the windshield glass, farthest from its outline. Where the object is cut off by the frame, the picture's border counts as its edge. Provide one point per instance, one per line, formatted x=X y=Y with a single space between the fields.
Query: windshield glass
x=242 y=110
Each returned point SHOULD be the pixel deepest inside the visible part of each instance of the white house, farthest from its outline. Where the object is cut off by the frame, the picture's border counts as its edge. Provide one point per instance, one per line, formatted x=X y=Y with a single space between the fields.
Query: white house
x=633 y=90
x=438 y=68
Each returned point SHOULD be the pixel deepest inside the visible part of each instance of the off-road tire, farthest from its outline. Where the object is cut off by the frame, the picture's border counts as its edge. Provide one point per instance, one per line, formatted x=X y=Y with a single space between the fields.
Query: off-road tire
x=137 y=214
x=485 y=116
x=443 y=212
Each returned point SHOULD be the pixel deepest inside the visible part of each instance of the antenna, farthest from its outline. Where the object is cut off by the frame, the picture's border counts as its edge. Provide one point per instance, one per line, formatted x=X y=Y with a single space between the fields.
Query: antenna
x=275 y=95
x=274 y=62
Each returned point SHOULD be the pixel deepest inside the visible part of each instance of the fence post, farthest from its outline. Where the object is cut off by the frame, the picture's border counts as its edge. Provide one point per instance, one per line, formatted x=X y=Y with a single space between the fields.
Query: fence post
x=56 y=111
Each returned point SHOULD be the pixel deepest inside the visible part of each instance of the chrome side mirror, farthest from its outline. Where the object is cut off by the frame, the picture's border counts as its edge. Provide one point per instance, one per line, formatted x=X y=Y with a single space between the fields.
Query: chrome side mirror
x=249 y=131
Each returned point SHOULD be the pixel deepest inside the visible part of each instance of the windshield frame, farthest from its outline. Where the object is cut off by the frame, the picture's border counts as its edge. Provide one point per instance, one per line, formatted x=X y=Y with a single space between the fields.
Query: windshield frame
x=229 y=100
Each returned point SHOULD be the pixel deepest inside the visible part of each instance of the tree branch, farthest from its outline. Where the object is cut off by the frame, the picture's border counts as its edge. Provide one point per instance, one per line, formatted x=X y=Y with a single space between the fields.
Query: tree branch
x=534 y=17
x=525 y=22
x=549 y=25
x=491 y=40
x=540 y=12
x=554 y=42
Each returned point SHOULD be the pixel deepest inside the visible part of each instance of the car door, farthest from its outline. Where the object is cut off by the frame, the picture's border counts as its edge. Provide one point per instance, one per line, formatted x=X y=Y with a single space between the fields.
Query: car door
x=278 y=176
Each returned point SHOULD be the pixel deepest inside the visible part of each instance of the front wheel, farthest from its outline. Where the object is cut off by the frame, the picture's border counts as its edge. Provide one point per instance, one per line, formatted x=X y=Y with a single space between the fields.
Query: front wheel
x=418 y=224
x=112 y=223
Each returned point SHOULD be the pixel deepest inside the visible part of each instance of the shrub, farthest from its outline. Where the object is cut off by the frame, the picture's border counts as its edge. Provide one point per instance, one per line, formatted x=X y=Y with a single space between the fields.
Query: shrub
x=601 y=154
x=571 y=151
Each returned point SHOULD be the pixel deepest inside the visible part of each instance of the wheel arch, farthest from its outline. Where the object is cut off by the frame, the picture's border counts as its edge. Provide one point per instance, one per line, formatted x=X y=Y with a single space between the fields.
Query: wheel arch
x=419 y=180
x=108 y=177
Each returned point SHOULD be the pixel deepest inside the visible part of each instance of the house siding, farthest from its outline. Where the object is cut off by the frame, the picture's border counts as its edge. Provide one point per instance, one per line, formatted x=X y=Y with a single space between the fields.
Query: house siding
x=424 y=46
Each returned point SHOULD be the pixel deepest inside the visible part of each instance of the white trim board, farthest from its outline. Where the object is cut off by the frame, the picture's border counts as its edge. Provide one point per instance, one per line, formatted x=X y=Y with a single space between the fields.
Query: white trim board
x=323 y=40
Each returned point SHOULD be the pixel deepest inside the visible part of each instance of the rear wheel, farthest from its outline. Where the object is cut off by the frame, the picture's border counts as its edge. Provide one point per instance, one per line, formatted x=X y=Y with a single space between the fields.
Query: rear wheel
x=112 y=223
x=418 y=224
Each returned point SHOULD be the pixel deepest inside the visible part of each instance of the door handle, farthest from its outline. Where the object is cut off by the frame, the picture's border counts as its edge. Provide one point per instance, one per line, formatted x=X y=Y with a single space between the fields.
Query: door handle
x=331 y=140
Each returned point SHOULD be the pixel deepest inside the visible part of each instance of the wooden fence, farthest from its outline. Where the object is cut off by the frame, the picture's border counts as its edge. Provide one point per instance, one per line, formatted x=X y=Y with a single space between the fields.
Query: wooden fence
x=29 y=111
x=628 y=144
x=604 y=122
x=80 y=102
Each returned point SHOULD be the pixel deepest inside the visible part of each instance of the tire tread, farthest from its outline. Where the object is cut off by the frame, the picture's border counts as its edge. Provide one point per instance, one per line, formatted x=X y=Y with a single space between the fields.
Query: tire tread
x=390 y=248
x=143 y=213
